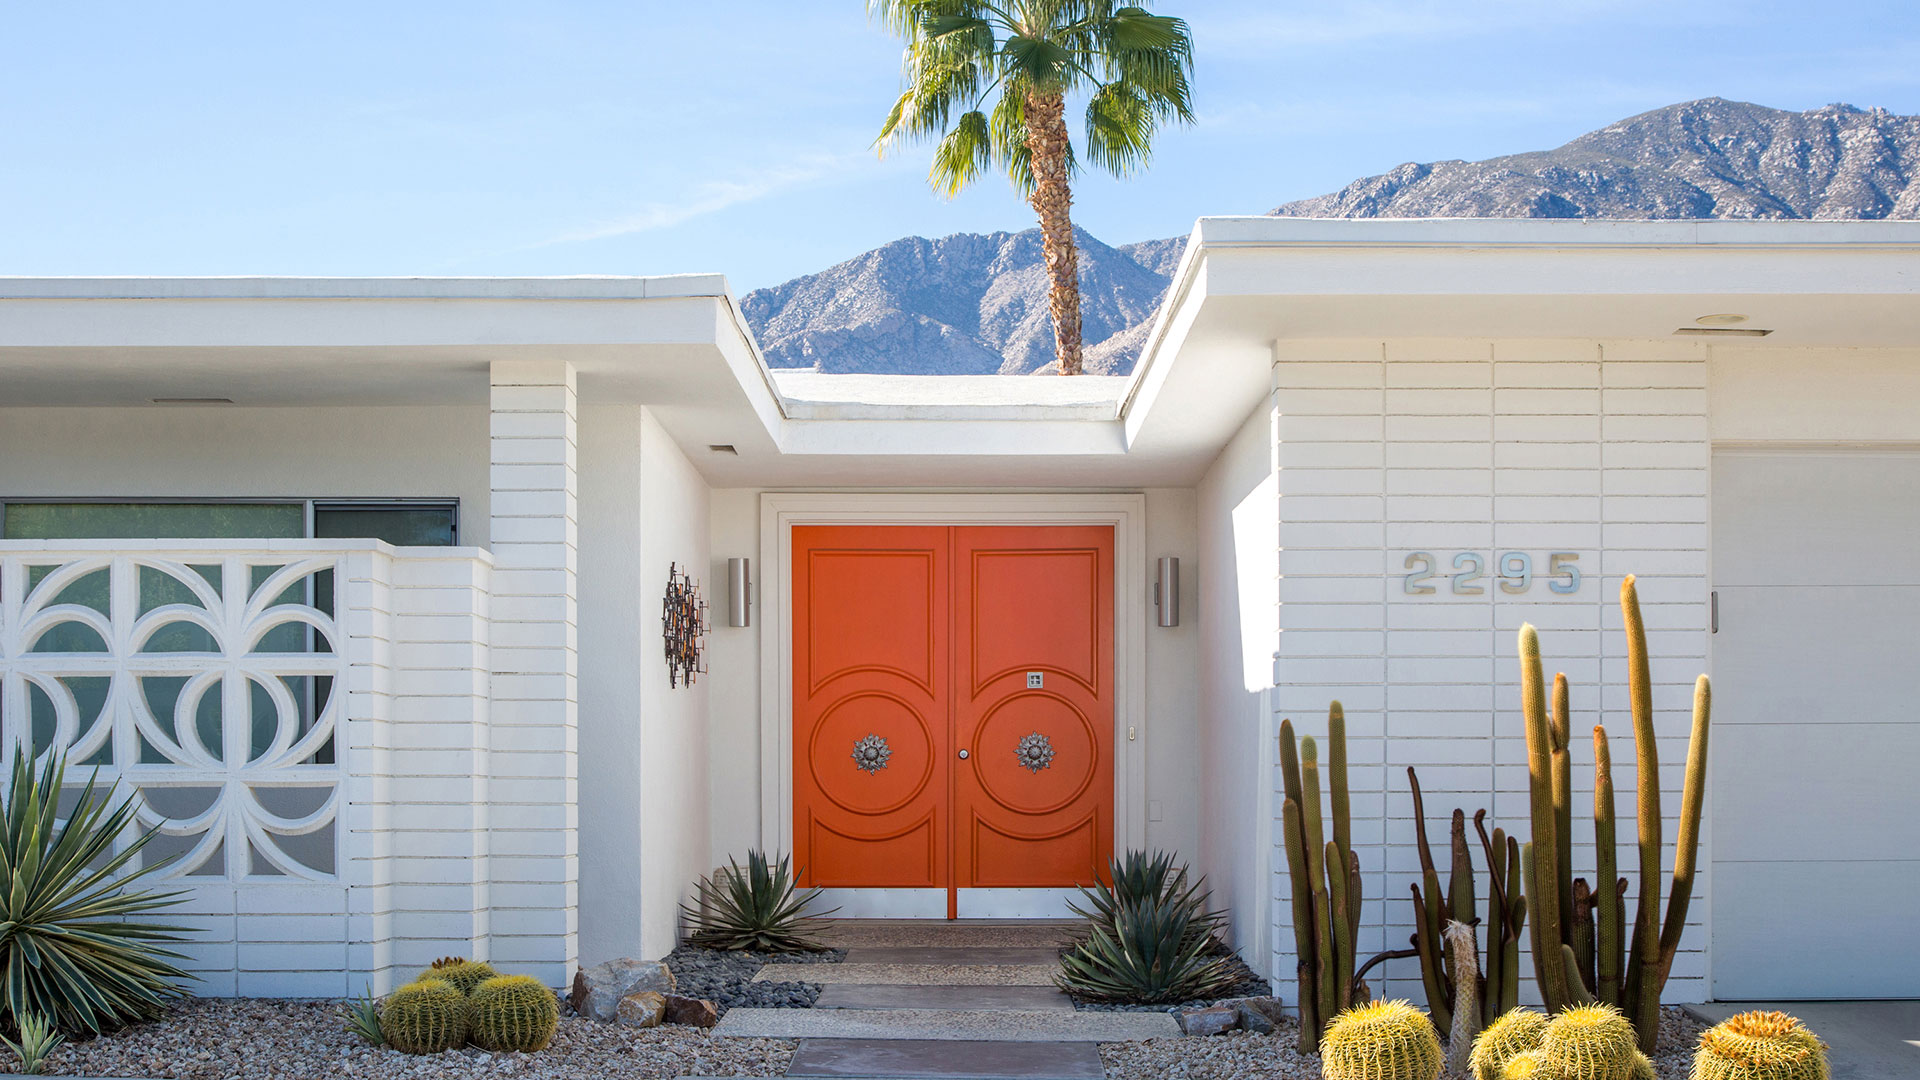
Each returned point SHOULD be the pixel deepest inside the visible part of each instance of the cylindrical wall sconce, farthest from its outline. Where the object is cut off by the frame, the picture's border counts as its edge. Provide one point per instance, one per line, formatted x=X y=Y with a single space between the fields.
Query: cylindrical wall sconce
x=739 y=592
x=1166 y=591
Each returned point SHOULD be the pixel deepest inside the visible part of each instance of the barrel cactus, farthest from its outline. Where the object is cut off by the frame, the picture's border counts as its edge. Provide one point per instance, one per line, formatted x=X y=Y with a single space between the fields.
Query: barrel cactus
x=1514 y=1033
x=1523 y=1066
x=1643 y=1067
x=512 y=1012
x=464 y=974
x=1591 y=1042
x=1384 y=1040
x=425 y=1017
x=1760 y=1046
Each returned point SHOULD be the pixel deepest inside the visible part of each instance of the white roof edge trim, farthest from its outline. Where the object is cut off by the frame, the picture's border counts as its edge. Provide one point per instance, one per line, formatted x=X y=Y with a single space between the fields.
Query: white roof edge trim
x=264 y=287
x=1550 y=233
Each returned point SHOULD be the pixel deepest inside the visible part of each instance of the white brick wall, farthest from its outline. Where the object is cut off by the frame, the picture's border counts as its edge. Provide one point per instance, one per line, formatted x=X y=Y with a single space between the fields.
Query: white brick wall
x=416 y=848
x=535 y=864
x=1451 y=447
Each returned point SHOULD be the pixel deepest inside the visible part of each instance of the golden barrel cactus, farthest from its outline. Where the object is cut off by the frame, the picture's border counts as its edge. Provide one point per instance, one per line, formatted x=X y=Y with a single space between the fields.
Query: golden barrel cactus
x=1760 y=1046
x=512 y=1012
x=1384 y=1040
x=1591 y=1042
x=464 y=974
x=1523 y=1066
x=1514 y=1033
x=425 y=1017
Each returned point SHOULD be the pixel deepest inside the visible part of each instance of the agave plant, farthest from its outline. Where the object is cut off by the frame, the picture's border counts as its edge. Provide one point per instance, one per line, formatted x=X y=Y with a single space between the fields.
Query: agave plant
x=38 y=1040
x=1150 y=938
x=756 y=908
x=363 y=1018
x=72 y=944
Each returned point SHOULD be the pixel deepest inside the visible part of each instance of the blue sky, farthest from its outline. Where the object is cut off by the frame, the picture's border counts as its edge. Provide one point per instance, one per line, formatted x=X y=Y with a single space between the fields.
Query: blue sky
x=418 y=137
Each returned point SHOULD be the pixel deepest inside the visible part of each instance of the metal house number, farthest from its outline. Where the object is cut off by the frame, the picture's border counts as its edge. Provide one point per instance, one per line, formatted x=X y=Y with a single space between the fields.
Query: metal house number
x=1469 y=573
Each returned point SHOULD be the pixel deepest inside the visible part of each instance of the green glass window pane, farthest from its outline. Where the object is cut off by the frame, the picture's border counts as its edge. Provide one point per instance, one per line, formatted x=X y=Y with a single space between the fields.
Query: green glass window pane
x=154 y=521
x=401 y=526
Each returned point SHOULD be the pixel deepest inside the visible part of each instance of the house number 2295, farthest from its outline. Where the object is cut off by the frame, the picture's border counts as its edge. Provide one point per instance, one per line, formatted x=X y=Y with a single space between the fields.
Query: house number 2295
x=1469 y=573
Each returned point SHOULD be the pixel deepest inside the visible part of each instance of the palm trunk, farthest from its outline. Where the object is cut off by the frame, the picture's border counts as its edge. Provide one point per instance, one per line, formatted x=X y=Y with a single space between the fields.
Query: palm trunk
x=1052 y=199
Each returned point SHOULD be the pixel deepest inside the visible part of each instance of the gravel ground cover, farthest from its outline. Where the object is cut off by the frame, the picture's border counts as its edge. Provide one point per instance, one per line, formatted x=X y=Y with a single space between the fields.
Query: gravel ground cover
x=263 y=1039
x=1250 y=985
x=1239 y=1055
x=727 y=978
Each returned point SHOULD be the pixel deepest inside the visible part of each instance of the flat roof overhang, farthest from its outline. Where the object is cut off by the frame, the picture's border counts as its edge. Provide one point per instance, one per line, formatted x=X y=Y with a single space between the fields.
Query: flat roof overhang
x=1248 y=291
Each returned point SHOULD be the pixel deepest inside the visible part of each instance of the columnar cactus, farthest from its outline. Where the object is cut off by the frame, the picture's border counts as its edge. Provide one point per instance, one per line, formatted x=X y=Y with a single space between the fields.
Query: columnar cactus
x=1497 y=990
x=1579 y=932
x=512 y=1012
x=1325 y=877
x=1516 y=1032
x=425 y=1017
x=464 y=974
x=1384 y=1040
x=1760 y=1046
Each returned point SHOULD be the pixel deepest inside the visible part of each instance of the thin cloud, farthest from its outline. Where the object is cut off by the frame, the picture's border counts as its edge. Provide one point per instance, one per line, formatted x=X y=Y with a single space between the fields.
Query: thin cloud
x=713 y=196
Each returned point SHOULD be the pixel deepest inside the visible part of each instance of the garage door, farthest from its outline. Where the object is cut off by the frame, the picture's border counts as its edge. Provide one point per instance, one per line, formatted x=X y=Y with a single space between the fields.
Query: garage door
x=1815 y=799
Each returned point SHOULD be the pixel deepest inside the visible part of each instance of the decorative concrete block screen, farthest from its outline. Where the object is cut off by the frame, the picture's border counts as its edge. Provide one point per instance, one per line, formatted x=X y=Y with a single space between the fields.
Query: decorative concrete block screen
x=1469 y=453
x=265 y=705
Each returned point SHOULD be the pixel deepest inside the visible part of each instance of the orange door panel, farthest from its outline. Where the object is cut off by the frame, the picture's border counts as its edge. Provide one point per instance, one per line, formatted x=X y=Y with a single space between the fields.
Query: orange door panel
x=871 y=732
x=1033 y=799
x=923 y=758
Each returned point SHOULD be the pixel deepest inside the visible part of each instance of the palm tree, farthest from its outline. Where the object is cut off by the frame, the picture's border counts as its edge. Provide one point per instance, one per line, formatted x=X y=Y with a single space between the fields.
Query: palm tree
x=1134 y=67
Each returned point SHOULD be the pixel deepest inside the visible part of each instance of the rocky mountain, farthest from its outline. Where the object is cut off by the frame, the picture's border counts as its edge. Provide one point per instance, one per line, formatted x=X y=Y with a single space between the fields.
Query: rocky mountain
x=973 y=304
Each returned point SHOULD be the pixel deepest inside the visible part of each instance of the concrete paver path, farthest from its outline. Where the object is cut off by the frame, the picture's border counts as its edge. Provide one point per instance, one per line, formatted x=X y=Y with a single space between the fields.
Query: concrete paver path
x=944 y=1001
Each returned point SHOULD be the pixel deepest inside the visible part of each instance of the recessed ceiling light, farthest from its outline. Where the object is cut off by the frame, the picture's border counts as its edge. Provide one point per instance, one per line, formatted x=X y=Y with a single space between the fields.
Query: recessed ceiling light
x=723 y=448
x=1721 y=320
x=191 y=401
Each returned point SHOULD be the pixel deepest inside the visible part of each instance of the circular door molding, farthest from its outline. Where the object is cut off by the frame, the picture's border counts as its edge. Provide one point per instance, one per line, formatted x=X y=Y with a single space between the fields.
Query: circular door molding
x=985 y=754
x=843 y=746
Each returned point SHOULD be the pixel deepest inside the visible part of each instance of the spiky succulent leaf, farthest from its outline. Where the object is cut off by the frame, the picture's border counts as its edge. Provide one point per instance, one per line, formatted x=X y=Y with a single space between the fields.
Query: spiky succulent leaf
x=754 y=908
x=1150 y=938
x=74 y=943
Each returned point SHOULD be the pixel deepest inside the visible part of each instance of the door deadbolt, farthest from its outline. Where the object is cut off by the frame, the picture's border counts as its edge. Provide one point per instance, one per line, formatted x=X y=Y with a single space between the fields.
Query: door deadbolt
x=963 y=755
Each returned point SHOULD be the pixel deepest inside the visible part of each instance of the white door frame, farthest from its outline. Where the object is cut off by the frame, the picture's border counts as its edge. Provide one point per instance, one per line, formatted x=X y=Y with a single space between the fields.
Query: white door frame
x=1127 y=513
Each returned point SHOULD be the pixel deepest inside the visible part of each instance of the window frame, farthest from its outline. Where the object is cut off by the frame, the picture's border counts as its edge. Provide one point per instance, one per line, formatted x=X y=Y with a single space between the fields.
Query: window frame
x=307 y=505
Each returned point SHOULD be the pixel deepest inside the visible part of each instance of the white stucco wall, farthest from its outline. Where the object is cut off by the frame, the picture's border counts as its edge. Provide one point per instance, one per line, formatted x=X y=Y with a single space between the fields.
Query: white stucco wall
x=1173 y=764
x=235 y=452
x=1238 y=596
x=614 y=619
x=674 y=525
x=1449 y=447
x=1814 y=395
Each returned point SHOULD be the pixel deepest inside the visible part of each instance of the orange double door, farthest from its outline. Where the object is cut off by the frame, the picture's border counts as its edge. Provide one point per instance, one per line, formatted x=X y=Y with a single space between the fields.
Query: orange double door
x=952 y=716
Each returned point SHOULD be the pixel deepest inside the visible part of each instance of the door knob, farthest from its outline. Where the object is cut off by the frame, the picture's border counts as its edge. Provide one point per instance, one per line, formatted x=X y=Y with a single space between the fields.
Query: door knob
x=963 y=755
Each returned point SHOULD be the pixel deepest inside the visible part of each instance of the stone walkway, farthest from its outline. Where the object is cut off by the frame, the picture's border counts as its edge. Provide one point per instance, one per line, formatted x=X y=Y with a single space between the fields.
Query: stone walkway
x=945 y=1001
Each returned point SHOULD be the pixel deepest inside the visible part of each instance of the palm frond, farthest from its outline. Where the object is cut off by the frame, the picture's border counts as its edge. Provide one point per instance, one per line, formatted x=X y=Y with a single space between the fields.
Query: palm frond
x=1120 y=128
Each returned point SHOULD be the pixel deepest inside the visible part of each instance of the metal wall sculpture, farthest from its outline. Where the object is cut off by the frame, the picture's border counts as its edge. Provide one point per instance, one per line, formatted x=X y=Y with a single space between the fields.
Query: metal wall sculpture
x=683 y=617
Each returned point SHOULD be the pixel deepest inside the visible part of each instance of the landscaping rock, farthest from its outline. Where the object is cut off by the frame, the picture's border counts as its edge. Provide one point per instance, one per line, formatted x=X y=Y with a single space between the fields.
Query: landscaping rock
x=1214 y=1020
x=1260 y=1015
x=597 y=990
x=692 y=1012
x=645 y=1009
